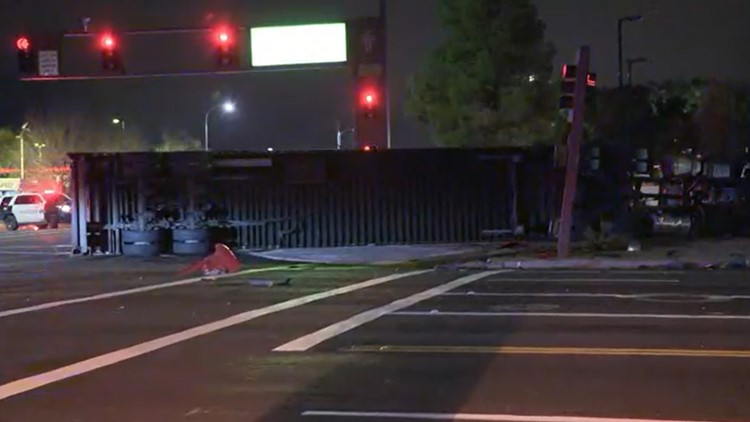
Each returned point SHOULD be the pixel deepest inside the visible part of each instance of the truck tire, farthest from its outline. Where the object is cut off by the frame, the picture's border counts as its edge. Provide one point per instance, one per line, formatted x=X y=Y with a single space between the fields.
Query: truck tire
x=11 y=223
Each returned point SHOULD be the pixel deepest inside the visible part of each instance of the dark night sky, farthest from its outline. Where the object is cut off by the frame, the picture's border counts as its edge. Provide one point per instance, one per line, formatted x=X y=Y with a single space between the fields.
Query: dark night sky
x=297 y=110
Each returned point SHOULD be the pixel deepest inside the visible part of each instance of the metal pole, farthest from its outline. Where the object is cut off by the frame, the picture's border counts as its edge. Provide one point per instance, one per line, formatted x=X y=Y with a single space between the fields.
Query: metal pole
x=620 y=22
x=205 y=128
x=630 y=73
x=631 y=63
x=338 y=135
x=574 y=152
x=619 y=51
x=23 y=161
x=386 y=79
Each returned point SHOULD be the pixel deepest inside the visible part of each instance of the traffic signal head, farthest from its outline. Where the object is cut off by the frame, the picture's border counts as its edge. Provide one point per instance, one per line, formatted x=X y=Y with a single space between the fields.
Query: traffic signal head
x=568 y=86
x=110 y=53
x=591 y=80
x=226 y=48
x=371 y=117
x=26 y=55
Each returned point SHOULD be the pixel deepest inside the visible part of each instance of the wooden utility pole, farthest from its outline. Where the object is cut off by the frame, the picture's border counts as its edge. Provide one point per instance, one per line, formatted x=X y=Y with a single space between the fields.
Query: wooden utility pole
x=573 y=152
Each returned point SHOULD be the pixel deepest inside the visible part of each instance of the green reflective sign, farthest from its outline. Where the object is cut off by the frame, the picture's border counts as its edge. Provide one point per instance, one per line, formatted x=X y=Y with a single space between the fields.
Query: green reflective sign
x=299 y=44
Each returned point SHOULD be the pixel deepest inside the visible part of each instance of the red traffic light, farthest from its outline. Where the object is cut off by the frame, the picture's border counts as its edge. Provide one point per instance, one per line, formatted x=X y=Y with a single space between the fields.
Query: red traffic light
x=108 y=42
x=23 y=44
x=223 y=36
x=569 y=71
x=591 y=80
x=369 y=98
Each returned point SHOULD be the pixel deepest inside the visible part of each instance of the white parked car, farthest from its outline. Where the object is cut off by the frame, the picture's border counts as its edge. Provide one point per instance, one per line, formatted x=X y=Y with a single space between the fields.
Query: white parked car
x=22 y=209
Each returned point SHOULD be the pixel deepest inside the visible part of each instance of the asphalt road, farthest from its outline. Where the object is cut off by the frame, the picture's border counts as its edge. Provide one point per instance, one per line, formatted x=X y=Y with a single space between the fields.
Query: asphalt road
x=29 y=248
x=439 y=345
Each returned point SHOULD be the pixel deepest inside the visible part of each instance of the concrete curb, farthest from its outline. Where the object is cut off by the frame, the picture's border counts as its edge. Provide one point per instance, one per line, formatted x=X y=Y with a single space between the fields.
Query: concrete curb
x=325 y=261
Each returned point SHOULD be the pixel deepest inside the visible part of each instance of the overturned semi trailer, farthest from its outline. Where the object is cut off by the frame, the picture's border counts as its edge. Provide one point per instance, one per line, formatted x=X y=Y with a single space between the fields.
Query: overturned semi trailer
x=157 y=201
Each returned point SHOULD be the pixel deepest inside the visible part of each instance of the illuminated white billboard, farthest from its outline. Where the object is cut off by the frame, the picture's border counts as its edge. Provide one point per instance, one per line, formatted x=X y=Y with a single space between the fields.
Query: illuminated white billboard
x=298 y=44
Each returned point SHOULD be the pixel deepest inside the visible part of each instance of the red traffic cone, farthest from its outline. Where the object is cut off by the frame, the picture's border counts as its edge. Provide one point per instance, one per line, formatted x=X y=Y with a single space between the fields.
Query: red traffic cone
x=222 y=261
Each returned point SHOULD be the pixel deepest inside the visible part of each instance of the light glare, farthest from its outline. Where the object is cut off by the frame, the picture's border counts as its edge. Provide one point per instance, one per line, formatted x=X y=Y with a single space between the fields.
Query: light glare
x=229 y=107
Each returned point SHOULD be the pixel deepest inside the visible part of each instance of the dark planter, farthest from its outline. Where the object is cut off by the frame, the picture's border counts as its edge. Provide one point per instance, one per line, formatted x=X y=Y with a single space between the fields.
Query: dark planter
x=142 y=243
x=191 y=241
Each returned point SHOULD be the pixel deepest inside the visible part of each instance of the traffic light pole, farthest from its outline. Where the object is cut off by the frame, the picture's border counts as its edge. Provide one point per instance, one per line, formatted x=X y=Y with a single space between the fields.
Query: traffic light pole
x=574 y=153
x=619 y=53
x=386 y=76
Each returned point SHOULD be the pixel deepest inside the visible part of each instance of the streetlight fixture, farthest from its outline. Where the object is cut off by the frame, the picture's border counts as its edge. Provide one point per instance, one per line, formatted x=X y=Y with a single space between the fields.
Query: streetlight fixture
x=120 y=122
x=39 y=146
x=620 y=22
x=631 y=62
x=228 y=107
x=340 y=134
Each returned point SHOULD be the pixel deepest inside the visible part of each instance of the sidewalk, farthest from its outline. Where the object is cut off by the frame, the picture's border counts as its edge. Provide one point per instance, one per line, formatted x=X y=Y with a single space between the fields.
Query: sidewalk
x=373 y=255
x=655 y=254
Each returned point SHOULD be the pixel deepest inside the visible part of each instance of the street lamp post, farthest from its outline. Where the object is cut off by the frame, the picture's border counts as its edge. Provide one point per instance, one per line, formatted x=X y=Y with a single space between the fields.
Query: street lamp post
x=120 y=122
x=340 y=134
x=22 y=145
x=631 y=62
x=227 y=107
x=620 y=22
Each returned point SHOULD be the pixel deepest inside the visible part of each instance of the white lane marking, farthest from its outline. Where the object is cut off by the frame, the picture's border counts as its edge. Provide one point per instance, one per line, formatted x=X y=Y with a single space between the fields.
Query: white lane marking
x=584 y=280
x=36 y=381
x=143 y=289
x=571 y=315
x=602 y=295
x=474 y=417
x=313 y=339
